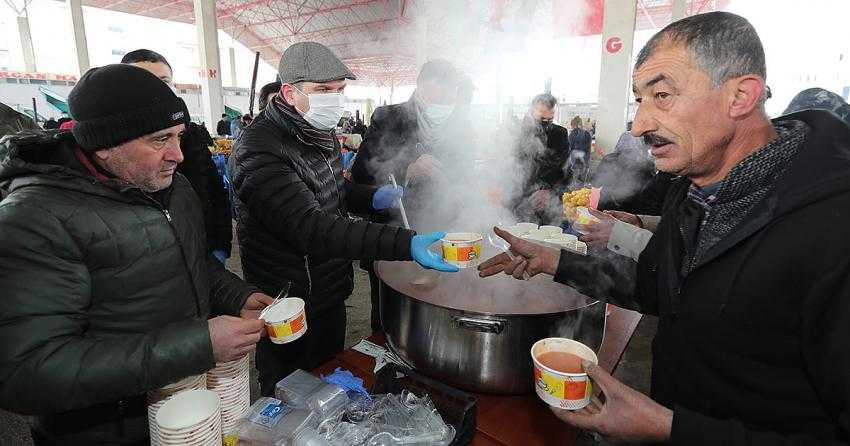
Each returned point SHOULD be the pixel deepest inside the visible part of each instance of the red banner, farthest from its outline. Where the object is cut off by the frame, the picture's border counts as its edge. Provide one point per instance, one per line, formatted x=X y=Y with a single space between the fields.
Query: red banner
x=38 y=76
x=577 y=17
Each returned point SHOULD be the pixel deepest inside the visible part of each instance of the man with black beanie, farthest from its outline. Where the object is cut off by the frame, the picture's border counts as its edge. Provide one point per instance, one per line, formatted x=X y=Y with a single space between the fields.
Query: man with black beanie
x=107 y=283
x=197 y=166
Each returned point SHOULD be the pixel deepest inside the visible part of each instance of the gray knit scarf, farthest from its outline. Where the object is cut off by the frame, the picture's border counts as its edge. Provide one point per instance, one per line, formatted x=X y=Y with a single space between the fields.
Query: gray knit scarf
x=323 y=139
x=747 y=184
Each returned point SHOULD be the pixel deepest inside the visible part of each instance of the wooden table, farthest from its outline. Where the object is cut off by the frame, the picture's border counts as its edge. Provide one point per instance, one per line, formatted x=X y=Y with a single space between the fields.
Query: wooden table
x=501 y=420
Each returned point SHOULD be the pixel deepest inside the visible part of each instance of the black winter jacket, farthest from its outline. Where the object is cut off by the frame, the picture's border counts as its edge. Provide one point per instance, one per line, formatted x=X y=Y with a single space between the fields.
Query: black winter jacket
x=753 y=345
x=292 y=209
x=623 y=176
x=392 y=144
x=199 y=169
x=542 y=157
x=106 y=293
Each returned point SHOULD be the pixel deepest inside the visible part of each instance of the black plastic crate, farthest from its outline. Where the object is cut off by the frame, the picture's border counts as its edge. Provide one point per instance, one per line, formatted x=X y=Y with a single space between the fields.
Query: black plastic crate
x=455 y=406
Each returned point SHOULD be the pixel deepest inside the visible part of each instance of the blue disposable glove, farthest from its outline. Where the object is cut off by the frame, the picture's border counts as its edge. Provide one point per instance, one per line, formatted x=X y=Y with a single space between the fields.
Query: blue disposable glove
x=387 y=197
x=220 y=255
x=427 y=258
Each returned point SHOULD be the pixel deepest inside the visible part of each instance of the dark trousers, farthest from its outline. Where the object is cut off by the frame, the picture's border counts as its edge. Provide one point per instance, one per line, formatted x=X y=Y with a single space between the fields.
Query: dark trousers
x=124 y=424
x=325 y=338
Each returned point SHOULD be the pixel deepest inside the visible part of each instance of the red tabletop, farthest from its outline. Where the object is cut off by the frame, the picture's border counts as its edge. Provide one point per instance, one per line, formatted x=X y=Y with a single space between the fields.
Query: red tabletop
x=501 y=420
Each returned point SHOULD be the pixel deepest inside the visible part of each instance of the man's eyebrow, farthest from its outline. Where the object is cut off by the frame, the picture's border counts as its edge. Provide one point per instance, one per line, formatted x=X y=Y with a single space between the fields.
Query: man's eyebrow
x=658 y=78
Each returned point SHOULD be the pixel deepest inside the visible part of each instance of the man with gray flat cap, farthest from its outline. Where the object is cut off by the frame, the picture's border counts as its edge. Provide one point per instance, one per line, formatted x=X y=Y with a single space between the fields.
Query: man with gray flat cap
x=292 y=206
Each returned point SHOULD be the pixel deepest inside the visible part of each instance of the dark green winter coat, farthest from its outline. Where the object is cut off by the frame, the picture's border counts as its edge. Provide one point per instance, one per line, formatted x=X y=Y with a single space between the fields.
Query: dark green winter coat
x=105 y=293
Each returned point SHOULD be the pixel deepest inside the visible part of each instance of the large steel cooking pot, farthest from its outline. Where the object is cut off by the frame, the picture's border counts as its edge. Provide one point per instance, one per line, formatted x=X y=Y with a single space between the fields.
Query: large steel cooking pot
x=475 y=333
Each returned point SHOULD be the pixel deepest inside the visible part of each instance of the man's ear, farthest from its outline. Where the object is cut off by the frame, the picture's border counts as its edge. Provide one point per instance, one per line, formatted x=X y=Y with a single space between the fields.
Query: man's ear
x=745 y=95
x=287 y=94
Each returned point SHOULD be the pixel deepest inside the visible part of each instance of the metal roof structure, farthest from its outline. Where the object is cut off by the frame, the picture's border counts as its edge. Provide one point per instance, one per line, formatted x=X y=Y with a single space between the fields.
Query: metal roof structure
x=377 y=38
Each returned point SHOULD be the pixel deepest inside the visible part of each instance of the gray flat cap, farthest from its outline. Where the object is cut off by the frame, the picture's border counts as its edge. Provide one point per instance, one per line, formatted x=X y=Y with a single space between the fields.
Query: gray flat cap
x=311 y=62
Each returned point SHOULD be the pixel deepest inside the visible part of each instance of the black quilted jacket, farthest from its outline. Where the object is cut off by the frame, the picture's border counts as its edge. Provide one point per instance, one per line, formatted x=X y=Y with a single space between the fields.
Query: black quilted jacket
x=105 y=292
x=292 y=208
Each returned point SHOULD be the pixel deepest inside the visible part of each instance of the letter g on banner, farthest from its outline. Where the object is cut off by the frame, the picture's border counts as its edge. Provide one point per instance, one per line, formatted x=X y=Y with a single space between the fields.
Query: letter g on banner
x=613 y=45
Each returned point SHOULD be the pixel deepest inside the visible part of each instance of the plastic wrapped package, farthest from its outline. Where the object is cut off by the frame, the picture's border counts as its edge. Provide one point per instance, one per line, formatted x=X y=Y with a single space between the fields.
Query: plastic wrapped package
x=327 y=399
x=290 y=428
x=270 y=421
x=309 y=437
x=346 y=434
x=295 y=388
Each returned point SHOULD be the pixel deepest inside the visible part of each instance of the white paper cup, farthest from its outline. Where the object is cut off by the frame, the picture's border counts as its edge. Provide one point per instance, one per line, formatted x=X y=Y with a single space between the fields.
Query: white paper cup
x=570 y=391
x=462 y=249
x=286 y=321
x=581 y=248
x=525 y=227
x=535 y=234
x=516 y=231
x=551 y=230
x=187 y=411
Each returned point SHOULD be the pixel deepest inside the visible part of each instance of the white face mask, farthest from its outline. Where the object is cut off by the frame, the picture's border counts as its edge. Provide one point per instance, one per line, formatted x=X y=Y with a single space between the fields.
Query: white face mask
x=438 y=113
x=325 y=109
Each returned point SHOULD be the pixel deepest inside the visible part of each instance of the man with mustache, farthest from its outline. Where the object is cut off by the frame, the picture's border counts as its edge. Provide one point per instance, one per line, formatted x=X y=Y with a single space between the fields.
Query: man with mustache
x=107 y=281
x=749 y=279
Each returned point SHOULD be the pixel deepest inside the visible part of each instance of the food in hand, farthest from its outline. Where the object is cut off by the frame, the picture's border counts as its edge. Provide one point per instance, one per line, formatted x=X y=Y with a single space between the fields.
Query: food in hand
x=574 y=199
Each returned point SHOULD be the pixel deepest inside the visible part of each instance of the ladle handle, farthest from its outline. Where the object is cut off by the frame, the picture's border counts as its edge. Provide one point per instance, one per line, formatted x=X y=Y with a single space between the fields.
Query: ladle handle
x=480 y=325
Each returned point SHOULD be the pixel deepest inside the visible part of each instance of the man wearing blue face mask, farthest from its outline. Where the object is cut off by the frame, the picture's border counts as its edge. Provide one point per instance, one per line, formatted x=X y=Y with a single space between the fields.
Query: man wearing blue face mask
x=292 y=207
x=423 y=142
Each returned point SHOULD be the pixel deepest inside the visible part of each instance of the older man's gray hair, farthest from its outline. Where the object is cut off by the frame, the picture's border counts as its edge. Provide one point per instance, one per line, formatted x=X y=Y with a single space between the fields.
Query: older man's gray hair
x=722 y=44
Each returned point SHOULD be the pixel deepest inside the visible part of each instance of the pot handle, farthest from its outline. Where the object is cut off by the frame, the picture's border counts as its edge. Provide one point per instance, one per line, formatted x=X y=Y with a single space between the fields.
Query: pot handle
x=480 y=325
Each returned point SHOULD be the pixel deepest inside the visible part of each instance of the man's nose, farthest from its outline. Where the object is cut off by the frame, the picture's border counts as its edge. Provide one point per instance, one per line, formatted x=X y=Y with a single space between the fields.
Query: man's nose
x=643 y=122
x=175 y=153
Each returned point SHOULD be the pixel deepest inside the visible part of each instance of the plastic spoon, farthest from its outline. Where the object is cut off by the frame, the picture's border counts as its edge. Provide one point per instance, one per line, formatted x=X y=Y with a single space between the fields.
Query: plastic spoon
x=283 y=294
x=503 y=246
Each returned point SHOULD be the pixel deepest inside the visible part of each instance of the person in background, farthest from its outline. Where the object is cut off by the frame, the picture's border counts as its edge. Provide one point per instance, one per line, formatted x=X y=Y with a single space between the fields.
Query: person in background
x=197 y=166
x=624 y=174
x=292 y=207
x=411 y=140
x=819 y=99
x=267 y=93
x=235 y=127
x=746 y=270
x=223 y=126
x=359 y=127
x=579 y=159
x=244 y=121
x=541 y=150
x=579 y=138
x=108 y=285
x=50 y=124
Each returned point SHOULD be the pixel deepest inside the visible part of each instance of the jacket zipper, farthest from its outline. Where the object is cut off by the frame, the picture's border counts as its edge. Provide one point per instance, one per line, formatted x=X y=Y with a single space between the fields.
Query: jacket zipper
x=170 y=221
x=309 y=279
x=336 y=185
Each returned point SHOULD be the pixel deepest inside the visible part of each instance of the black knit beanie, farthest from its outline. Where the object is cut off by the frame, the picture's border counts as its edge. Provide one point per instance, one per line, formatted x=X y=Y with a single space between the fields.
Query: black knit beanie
x=117 y=103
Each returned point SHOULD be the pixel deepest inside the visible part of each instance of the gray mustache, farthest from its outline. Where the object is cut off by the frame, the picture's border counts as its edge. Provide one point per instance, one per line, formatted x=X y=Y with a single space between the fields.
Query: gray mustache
x=654 y=140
